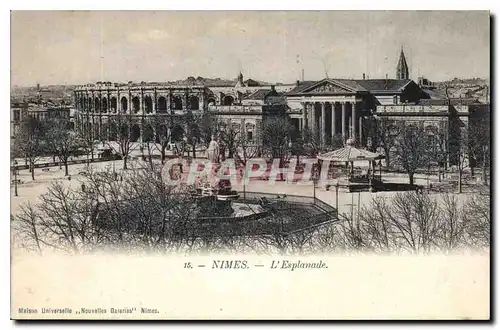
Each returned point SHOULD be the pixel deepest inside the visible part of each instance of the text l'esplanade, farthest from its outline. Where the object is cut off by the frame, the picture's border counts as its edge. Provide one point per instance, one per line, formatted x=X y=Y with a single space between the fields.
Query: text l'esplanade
x=293 y=265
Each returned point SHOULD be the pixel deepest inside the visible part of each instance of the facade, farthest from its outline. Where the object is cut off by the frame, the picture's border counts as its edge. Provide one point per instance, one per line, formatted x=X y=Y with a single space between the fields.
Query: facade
x=155 y=109
x=342 y=106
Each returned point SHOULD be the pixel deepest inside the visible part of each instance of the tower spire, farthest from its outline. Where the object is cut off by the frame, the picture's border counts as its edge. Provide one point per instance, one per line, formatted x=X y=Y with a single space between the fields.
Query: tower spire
x=402 y=71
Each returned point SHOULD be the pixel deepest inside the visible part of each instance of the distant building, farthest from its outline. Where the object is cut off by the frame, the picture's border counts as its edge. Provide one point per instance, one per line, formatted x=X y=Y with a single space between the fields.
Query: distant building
x=18 y=111
x=425 y=83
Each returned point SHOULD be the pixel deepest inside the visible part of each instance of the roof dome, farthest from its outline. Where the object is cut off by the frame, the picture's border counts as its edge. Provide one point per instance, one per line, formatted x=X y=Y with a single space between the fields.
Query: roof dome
x=350 y=142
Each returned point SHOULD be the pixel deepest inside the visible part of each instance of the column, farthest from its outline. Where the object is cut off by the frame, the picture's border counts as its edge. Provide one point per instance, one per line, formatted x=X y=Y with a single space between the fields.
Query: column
x=129 y=110
x=141 y=102
x=334 y=129
x=353 y=120
x=313 y=118
x=360 y=131
x=304 y=115
x=201 y=102
x=108 y=111
x=343 y=120
x=118 y=102
x=185 y=102
x=323 y=123
x=155 y=100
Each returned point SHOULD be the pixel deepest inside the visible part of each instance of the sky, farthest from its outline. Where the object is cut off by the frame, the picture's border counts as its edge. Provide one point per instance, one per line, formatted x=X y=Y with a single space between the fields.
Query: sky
x=81 y=47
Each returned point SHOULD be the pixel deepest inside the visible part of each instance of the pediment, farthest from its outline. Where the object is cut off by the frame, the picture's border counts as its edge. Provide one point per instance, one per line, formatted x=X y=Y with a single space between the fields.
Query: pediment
x=327 y=87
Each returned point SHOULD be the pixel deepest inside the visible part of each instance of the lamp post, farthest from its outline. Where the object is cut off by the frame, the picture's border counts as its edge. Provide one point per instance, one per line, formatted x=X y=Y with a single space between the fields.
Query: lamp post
x=314 y=184
x=15 y=178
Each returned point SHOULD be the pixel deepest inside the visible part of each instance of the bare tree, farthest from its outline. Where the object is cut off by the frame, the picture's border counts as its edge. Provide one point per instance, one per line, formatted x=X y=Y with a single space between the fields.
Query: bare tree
x=477 y=216
x=479 y=144
x=30 y=141
x=386 y=135
x=276 y=132
x=412 y=149
x=62 y=141
x=246 y=149
x=121 y=129
x=309 y=144
x=230 y=136
x=163 y=126
x=454 y=223
x=88 y=144
x=193 y=132
x=25 y=229
x=438 y=147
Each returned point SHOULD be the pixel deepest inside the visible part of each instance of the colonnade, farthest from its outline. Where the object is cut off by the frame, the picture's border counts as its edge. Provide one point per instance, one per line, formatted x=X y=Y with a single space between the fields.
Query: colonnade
x=331 y=118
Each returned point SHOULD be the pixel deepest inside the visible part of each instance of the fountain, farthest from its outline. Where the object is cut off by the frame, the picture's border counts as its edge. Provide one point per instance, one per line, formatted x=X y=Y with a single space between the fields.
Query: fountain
x=211 y=185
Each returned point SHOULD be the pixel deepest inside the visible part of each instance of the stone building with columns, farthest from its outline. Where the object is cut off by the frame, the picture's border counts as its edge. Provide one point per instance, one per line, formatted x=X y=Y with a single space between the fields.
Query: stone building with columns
x=344 y=107
x=146 y=106
x=154 y=108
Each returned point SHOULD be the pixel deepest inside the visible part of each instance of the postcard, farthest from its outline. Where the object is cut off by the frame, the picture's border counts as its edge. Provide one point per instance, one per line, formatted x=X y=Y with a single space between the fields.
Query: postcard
x=260 y=165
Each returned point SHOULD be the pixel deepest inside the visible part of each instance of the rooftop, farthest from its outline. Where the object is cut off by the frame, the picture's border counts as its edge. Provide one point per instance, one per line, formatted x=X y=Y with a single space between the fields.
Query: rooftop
x=356 y=85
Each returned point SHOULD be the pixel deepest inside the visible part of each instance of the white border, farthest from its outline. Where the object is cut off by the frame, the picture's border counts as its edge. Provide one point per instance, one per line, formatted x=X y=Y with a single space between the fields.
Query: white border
x=191 y=5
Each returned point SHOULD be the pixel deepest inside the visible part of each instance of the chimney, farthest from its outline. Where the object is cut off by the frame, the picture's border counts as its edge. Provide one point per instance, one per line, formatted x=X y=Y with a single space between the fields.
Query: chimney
x=297 y=83
x=273 y=89
x=363 y=76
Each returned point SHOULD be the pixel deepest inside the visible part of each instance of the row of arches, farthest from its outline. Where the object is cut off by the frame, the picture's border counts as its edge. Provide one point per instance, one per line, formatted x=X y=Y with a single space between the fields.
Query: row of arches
x=102 y=105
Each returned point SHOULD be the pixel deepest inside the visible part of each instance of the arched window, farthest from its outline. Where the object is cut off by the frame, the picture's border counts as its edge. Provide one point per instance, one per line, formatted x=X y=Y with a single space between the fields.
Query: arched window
x=177 y=103
x=97 y=105
x=162 y=104
x=104 y=105
x=211 y=101
x=148 y=104
x=124 y=104
x=113 y=104
x=228 y=100
x=194 y=103
x=136 y=104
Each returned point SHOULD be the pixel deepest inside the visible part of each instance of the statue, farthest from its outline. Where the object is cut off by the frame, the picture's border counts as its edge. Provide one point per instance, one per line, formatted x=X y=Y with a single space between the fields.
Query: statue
x=213 y=151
